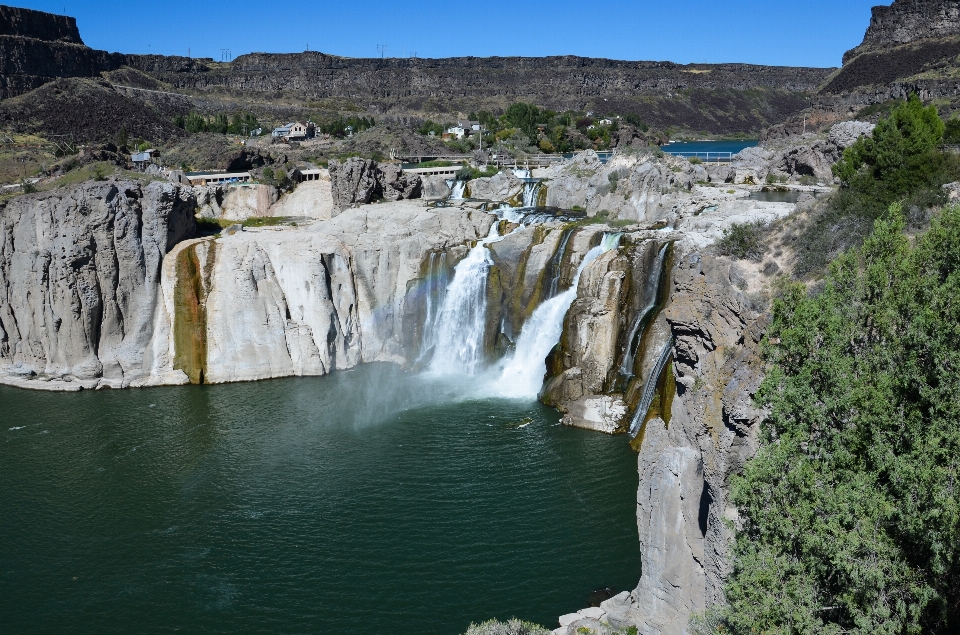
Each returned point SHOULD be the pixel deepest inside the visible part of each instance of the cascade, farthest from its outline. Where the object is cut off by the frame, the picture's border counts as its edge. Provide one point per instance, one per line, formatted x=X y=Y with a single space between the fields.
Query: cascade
x=651 y=299
x=521 y=173
x=457 y=189
x=521 y=375
x=531 y=188
x=555 y=267
x=459 y=328
x=650 y=388
x=436 y=292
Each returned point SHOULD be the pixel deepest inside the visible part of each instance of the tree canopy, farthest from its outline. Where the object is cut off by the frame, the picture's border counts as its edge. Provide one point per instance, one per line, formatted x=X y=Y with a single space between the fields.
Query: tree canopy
x=851 y=508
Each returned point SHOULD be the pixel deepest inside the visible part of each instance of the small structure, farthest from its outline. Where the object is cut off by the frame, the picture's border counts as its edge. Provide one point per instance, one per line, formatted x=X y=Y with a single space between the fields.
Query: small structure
x=464 y=129
x=141 y=159
x=308 y=174
x=216 y=178
x=295 y=131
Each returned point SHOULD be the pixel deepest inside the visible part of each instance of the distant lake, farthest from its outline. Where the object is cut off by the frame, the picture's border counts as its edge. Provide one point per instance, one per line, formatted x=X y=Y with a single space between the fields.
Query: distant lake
x=701 y=148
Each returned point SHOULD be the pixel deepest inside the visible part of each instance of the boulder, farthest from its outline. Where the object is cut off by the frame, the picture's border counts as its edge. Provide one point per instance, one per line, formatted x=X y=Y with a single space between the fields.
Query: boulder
x=354 y=182
x=503 y=186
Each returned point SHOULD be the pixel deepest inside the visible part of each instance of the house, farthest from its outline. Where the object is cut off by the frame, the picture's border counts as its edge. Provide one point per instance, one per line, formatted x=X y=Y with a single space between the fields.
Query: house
x=147 y=156
x=295 y=131
x=464 y=129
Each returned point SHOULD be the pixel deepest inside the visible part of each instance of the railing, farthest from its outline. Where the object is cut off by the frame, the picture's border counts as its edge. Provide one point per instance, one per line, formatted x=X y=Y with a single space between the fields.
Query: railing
x=650 y=388
x=706 y=157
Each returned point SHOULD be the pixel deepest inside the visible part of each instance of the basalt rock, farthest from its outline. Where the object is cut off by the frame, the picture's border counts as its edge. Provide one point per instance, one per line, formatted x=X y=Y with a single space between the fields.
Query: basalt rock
x=79 y=278
x=359 y=181
x=906 y=21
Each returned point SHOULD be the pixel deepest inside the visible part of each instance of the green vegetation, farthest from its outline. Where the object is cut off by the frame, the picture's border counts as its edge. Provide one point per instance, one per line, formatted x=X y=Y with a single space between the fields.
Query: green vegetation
x=851 y=507
x=467 y=173
x=240 y=124
x=900 y=163
x=206 y=226
x=337 y=126
x=695 y=160
x=510 y=627
x=527 y=128
x=742 y=241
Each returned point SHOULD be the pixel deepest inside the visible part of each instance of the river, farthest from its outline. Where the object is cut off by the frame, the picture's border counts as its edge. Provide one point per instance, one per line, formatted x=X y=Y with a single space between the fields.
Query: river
x=366 y=501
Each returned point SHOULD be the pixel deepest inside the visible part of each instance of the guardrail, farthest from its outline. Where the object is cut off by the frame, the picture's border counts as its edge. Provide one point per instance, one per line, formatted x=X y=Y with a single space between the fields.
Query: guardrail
x=706 y=157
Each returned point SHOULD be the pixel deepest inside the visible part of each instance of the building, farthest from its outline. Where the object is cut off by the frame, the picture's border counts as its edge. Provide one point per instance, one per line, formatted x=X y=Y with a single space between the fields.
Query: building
x=295 y=131
x=310 y=174
x=145 y=157
x=215 y=178
x=464 y=129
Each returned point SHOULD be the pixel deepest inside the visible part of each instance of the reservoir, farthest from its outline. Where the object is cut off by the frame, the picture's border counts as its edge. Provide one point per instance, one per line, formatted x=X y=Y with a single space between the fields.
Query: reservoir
x=367 y=501
x=709 y=150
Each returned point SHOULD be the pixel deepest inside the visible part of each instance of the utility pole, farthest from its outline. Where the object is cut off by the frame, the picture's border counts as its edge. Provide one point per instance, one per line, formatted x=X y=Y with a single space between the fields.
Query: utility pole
x=382 y=48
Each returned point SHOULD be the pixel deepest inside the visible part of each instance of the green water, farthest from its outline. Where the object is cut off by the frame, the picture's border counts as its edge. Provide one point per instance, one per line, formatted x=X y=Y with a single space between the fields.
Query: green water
x=364 y=502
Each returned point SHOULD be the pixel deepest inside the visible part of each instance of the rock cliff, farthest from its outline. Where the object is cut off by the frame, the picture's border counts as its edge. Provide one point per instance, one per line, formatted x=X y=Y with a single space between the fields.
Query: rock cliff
x=79 y=279
x=906 y=21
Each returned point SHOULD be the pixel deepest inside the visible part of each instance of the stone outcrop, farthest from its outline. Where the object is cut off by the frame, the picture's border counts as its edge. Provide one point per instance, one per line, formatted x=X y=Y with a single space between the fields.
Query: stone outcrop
x=793 y=157
x=700 y=436
x=38 y=25
x=906 y=21
x=359 y=181
x=79 y=279
x=235 y=202
x=101 y=287
x=503 y=186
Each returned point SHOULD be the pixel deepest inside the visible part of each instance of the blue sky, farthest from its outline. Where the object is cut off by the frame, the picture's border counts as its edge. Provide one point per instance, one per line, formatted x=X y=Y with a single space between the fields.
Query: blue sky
x=810 y=33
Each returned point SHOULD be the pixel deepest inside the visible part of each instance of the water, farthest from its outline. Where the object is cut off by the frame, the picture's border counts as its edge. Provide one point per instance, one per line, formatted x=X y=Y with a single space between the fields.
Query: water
x=689 y=148
x=531 y=191
x=461 y=324
x=522 y=372
x=457 y=188
x=774 y=196
x=362 y=502
x=436 y=293
x=651 y=292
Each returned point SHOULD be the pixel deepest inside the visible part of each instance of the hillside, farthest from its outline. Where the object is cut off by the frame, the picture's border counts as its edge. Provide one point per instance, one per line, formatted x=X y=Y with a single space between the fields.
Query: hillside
x=37 y=48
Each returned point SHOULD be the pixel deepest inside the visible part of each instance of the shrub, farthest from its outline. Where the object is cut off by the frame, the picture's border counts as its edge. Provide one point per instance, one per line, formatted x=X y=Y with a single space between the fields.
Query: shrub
x=742 y=241
x=851 y=507
x=695 y=160
x=27 y=187
x=510 y=627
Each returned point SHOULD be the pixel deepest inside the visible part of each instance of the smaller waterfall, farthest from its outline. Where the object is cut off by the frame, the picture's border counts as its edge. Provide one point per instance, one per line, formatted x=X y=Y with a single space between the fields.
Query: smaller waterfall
x=650 y=388
x=435 y=290
x=521 y=173
x=457 y=189
x=651 y=299
x=554 y=268
x=531 y=189
x=460 y=325
x=522 y=373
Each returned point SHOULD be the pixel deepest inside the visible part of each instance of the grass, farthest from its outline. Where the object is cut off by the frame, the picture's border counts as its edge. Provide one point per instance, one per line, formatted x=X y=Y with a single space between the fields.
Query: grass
x=207 y=226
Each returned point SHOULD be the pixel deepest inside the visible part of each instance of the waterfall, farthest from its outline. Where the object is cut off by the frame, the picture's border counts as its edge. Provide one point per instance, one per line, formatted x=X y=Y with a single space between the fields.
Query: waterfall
x=522 y=373
x=651 y=300
x=435 y=291
x=456 y=189
x=521 y=173
x=531 y=189
x=460 y=326
x=650 y=388
x=554 y=268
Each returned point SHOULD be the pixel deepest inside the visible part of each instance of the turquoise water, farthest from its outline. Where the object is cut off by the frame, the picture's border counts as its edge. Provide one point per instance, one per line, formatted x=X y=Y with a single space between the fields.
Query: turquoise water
x=724 y=147
x=364 y=502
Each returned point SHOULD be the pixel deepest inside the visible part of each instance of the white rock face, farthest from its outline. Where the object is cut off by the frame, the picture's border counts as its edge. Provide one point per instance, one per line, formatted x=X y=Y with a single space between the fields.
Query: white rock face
x=310 y=199
x=503 y=186
x=235 y=202
x=268 y=302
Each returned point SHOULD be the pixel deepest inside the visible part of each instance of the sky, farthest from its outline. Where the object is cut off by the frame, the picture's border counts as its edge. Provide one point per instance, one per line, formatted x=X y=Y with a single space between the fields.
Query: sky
x=810 y=33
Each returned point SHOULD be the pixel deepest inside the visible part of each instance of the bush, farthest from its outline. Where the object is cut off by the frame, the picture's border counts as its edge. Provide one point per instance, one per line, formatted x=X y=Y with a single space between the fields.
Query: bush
x=510 y=627
x=742 y=241
x=27 y=187
x=851 y=507
x=900 y=163
x=696 y=160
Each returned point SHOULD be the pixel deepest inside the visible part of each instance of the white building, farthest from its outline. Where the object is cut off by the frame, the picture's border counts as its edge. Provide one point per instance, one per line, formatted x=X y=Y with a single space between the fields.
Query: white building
x=465 y=129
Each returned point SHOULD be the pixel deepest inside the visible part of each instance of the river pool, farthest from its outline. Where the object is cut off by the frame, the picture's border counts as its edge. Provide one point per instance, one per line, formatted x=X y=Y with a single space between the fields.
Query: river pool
x=368 y=501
